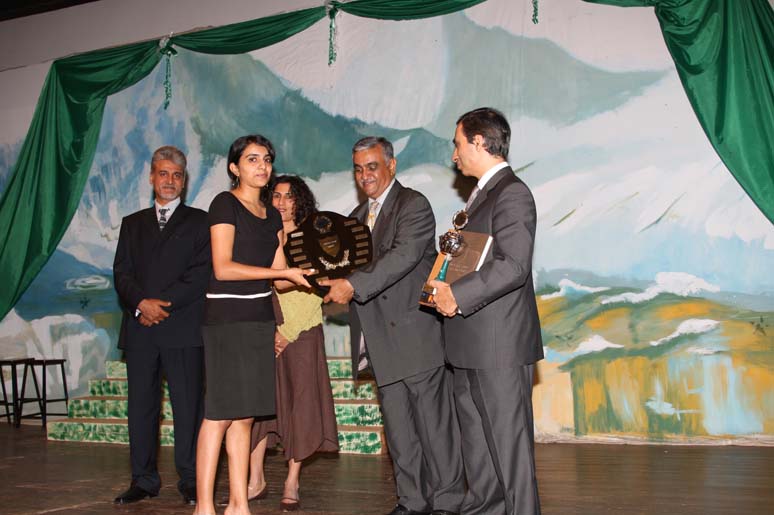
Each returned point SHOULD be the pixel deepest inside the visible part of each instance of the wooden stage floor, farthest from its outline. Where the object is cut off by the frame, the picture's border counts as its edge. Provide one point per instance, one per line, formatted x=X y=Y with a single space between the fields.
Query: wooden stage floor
x=39 y=477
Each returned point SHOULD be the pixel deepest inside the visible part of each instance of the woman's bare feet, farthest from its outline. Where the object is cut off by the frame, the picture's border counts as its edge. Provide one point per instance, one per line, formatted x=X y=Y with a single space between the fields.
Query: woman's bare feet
x=231 y=510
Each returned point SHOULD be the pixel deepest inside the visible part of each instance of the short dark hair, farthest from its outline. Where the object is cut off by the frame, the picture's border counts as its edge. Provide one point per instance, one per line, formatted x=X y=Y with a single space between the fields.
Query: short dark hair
x=237 y=149
x=372 y=141
x=491 y=125
x=306 y=204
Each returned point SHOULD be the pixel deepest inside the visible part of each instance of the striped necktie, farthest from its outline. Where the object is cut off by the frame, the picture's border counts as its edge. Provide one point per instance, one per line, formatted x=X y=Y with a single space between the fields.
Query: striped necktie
x=163 y=218
x=372 y=207
x=363 y=355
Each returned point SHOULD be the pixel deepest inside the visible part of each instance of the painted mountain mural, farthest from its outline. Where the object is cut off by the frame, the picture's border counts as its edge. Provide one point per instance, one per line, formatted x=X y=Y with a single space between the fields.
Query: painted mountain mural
x=652 y=267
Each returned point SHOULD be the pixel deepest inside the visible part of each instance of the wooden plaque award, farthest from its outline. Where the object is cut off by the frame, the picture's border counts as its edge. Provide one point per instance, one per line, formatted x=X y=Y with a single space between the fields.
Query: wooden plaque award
x=331 y=244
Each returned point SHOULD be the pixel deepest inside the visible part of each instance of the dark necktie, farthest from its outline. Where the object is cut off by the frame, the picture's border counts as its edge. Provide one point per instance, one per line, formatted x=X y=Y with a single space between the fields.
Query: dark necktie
x=163 y=218
x=471 y=198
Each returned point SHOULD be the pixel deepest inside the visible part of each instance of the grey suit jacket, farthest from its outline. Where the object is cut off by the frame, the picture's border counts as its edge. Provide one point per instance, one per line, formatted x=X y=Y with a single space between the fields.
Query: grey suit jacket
x=499 y=325
x=402 y=340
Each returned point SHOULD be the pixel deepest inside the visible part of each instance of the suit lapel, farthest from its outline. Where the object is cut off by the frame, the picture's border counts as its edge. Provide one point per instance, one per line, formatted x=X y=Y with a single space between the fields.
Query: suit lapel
x=500 y=175
x=384 y=212
x=178 y=217
x=360 y=212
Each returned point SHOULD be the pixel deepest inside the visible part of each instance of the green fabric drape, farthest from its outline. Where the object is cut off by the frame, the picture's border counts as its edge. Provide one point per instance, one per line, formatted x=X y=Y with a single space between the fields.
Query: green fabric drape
x=48 y=178
x=724 y=54
x=402 y=9
x=47 y=181
x=247 y=36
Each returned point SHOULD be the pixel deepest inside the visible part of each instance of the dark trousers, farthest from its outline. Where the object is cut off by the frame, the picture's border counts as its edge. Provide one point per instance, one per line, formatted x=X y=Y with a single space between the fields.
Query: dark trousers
x=423 y=437
x=184 y=370
x=498 y=444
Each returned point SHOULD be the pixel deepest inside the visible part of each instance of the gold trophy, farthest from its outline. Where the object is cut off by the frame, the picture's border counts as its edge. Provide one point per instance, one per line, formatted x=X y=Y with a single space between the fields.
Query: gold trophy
x=452 y=244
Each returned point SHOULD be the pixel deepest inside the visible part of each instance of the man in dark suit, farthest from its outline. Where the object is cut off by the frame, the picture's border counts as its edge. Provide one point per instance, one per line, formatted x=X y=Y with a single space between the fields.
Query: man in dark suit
x=161 y=270
x=493 y=331
x=404 y=343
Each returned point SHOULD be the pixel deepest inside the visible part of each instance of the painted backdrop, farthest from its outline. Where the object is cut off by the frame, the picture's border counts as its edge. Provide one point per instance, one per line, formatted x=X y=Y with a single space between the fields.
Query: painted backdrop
x=652 y=267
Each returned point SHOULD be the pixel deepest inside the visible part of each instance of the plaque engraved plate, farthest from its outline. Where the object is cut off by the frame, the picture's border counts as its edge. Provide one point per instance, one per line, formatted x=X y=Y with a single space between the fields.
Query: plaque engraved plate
x=329 y=243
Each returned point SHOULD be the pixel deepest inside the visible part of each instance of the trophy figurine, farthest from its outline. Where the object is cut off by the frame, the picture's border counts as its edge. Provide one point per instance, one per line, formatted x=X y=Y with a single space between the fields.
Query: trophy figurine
x=451 y=244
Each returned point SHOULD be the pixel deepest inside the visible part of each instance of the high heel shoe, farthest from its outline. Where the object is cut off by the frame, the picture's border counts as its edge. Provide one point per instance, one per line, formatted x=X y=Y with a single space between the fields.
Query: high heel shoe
x=290 y=504
x=260 y=495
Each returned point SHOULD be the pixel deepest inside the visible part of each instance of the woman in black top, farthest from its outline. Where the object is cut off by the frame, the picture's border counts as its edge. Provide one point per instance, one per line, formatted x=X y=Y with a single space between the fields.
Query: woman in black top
x=238 y=331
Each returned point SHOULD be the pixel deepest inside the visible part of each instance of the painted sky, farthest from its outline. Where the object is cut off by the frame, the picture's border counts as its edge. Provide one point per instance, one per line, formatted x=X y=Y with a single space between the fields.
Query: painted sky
x=625 y=182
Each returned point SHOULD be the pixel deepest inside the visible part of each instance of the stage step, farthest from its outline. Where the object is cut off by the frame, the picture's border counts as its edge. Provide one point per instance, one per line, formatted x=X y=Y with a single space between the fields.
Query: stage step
x=108 y=408
x=358 y=413
x=341 y=388
x=346 y=389
x=362 y=440
x=338 y=368
x=101 y=416
x=352 y=439
x=101 y=431
x=348 y=412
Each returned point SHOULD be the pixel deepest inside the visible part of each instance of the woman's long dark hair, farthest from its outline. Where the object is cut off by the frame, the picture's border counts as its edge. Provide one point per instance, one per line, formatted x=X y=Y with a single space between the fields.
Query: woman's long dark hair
x=305 y=201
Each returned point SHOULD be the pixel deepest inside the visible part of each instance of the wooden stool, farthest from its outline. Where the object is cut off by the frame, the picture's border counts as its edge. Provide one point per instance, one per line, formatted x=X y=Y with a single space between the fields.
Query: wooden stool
x=15 y=402
x=42 y=393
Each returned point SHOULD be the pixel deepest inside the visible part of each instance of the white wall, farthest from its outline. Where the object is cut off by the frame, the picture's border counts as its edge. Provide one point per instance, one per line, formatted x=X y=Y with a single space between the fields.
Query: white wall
x=28 y=45
x=48 y=36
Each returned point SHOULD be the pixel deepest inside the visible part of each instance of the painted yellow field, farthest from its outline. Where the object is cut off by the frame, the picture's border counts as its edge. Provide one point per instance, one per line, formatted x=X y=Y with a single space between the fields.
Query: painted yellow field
x=711 y=382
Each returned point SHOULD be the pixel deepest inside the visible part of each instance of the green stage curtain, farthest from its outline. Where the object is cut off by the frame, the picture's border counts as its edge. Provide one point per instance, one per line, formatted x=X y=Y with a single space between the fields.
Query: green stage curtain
x=47 y=180
x=247 y=36
x=724 y=54
x=46 y=183
x=402 y=9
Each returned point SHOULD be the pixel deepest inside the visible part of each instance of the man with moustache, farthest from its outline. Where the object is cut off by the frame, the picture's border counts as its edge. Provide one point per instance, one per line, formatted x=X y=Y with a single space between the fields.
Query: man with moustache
x=493 y=331
x=404 y=343
x=161 y=270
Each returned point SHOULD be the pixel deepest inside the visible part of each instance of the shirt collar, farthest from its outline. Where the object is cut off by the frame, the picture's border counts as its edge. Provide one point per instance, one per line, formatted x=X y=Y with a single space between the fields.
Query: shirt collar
x=490 y=173
x=171 y=206
x=381 y=198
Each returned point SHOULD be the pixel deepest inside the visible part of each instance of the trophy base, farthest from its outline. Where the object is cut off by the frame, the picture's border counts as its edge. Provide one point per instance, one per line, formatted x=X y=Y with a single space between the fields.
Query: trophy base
x=427 y=298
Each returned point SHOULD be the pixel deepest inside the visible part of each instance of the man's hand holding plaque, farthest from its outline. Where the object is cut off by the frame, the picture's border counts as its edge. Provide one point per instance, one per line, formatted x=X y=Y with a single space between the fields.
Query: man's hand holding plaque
x=331 y=244
x=462 y=252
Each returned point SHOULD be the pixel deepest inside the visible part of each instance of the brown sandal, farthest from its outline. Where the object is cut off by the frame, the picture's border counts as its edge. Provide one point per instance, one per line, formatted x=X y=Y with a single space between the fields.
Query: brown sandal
x=289 y=504
x=260 y=495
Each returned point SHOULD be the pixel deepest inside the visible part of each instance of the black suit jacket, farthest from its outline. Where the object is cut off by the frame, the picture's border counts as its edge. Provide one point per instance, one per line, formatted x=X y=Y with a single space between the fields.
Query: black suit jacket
x=174 y=265
x=499 y=325
x=402 y=340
